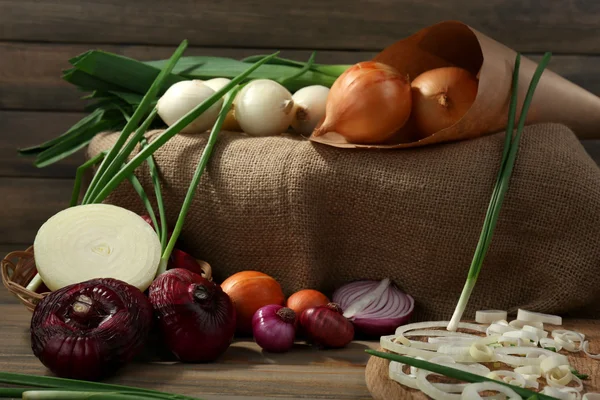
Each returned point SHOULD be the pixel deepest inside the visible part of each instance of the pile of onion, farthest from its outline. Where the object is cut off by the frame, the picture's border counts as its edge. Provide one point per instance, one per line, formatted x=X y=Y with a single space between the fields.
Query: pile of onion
x=375 y=308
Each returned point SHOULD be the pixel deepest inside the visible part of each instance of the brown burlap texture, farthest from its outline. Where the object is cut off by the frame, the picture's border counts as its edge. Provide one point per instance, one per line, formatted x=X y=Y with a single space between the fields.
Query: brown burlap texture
x=316 y=216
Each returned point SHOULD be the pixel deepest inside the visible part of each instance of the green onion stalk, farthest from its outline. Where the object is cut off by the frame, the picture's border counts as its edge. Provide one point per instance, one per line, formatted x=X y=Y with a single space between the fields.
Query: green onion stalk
x=509 y=155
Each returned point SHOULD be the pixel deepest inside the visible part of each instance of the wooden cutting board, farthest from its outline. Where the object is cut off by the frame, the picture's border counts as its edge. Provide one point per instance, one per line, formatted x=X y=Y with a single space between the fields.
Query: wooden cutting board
x=383 y=388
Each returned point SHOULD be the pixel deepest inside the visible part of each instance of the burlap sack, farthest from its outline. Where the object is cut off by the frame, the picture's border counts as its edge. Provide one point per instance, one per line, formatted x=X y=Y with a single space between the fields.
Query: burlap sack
x=316 y=216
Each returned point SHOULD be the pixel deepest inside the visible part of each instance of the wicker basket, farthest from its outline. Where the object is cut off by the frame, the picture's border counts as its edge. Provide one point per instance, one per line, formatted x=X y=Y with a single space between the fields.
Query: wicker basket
x=18 y=269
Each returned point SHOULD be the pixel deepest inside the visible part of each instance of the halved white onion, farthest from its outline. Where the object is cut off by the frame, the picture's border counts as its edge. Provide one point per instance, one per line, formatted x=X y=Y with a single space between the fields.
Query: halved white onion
x=96 y=241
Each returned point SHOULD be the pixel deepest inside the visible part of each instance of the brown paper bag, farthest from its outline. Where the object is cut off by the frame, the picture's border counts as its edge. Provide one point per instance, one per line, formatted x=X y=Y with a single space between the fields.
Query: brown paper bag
x=452 y=43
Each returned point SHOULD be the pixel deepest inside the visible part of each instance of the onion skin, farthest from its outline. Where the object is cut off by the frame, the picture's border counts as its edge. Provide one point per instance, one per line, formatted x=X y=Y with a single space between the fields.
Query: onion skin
x=367 y=104
x=273 y=327
x=326 y=327
x=196 y=318
x=441 y=97
x=88 y=330
x=249 y=291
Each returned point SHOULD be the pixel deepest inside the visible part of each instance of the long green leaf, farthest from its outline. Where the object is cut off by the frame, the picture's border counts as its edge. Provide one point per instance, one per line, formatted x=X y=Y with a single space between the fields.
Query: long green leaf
x=453 y=373
x=139 y=189
x=71 y=145
x=85 y=81
x=107 y=165
x=211 y=67
x=76 y=129
x=334 y=70
x=162 y=232
x=123 y=72
x=171 y=131
x=79 y=176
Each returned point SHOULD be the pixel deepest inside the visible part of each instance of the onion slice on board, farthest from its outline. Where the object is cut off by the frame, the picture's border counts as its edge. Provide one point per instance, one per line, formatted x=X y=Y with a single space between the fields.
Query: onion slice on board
x=531 y=316
x=586 y=350
x=96 y=241
x=489 y=316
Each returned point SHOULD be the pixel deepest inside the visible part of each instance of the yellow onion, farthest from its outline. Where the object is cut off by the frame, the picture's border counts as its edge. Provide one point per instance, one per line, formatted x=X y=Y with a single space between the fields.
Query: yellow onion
x=367 y=104
x=441 y=97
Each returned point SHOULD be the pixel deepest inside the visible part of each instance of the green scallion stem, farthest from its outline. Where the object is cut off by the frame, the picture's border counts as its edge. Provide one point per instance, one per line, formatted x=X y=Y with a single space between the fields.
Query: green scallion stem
x=453 y=373
x=139 y=189
x=48 y=383
x=302 y=70
x=171 y=131
x=162 y=233
x=204 y=158
x=140 y=111
x=77 y=395
x=79 y=176
x=501 y=187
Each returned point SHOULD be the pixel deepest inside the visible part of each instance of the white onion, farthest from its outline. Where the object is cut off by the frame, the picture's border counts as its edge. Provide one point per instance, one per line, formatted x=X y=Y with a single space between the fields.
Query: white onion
x=310 y=102
x=264 y=108
x=96 y=241
x=183 y=97
x=217 y=84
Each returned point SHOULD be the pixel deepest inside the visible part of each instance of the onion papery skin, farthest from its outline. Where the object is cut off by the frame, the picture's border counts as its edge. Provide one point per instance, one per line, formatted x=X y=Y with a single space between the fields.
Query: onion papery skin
x=441 y=97
x=367 y=104
x=326 y=327
x=249 y=291
x=274 y=329
x=305 y=299
x=88 y=330
x=196 y=318
x=381 y=316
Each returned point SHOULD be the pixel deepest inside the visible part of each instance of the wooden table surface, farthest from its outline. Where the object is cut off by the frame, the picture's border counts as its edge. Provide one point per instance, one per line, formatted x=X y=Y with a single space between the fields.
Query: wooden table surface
x=244 y=372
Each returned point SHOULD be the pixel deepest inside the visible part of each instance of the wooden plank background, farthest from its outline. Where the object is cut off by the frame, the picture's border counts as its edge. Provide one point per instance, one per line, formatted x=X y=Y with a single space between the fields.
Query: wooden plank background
x=38 y=38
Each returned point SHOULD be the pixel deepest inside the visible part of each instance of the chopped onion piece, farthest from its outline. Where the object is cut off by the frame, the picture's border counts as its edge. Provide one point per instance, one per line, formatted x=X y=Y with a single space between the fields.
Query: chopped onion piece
x=530 y=370
x=439 y=324
x=481 y=353
x=533 y=356
x=531 y=316
x=586 y=350
x=432 y=391
x=554 y=361
x=510 y=377
x=397 y=374
x=591 y=396
x=547 y=342
x=540 y=333
x=519 y=324
x=567 y=339
x=489 y=316
x=471 y=392
x=560 y=376
x=388 y=343
x=522 y=335
x=561 y=394
x=497 y=328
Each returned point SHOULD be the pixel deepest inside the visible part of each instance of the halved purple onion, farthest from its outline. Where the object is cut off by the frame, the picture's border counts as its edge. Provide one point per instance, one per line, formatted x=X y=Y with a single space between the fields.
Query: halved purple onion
x=380 y=314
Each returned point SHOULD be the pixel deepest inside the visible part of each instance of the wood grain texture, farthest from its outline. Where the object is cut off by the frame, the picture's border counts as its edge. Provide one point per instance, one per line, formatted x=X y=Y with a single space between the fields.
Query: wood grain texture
x=534 y=26
x=31 y=73
x=20 y=129
x=28 y=203
x=383 y=388
x=243 y=372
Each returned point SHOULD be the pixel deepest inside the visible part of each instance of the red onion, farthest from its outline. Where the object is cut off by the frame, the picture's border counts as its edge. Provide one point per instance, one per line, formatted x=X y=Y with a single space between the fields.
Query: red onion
x=197 y=319
x=273 y=327
x=88 y=330
x=325 y=326
x=376 y=308
x=181 y=259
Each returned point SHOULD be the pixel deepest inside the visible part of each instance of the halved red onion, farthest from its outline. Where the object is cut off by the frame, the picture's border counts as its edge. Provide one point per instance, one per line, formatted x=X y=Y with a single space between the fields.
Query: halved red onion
x=376 y=308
